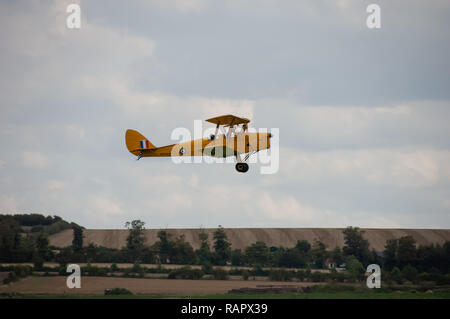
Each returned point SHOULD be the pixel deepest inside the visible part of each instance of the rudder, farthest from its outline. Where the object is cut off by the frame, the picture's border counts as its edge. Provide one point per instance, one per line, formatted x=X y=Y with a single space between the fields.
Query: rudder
x=136 y=142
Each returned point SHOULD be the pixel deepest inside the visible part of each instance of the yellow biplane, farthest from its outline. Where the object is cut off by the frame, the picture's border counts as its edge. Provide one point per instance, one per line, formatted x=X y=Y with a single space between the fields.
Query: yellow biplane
x=235 y=140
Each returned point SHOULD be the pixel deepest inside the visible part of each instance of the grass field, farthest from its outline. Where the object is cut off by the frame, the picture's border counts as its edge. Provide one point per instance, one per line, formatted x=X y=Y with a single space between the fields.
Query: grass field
x=339 y=295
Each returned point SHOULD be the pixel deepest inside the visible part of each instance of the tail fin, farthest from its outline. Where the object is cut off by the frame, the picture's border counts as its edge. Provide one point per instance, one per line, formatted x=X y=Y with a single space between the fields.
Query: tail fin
x=136 y=142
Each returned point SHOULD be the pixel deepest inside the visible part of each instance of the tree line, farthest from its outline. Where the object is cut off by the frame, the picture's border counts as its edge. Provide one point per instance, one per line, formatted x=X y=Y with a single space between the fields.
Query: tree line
x=399 y=254
x=24 y=237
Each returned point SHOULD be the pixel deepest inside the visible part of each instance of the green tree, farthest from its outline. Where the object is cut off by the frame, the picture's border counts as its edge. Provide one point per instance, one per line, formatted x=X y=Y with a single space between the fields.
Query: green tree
x=203 y=237
x=409 y=273
x=337 y=256
x=257 y=253
x=135 y=239
x=77 y=242
x=319 y=254
x=390 y=253
x=42 y=246
x=204 y=253
x=237 y=257
x=354 y=266
x=396 y=275
x=163 y=246
x=222 y=247
x=292 y=258
x=10 y=239
x=406 y=252
x=356 y=245
x=114 y=267
x=65 y=256
x=181 y=252
x=303 y=246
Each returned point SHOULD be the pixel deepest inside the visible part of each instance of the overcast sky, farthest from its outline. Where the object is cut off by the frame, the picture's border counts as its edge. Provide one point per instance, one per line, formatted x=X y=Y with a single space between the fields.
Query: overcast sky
x=363 y=114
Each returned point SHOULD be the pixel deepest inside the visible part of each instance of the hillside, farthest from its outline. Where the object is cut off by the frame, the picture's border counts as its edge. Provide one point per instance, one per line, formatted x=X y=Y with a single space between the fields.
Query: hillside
x=243 y=237
x=36 y=224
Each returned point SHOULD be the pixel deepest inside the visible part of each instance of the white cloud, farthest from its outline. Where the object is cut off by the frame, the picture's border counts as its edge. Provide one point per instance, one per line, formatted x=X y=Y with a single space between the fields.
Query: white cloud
x=56 y=185
x=63 y=59
x=36 y=160
x=418 y=124
x=151 y=104
x=279 y=208
x=8 y=204
x=286 y=207
x=72 y=93
x=75 y=132
x=175 y=202
x=194 y=181
x=104 y=206
x=187 y=6
x=403 y=168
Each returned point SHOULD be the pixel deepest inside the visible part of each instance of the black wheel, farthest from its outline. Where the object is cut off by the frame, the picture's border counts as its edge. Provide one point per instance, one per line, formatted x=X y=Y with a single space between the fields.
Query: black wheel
x=242 y=167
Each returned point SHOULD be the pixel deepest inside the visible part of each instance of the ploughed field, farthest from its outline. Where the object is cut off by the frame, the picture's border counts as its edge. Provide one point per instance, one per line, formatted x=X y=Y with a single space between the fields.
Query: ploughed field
x=56 y=285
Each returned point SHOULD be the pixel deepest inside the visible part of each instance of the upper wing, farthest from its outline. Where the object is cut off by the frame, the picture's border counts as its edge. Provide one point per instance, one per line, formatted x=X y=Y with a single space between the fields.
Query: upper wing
x=228 y=120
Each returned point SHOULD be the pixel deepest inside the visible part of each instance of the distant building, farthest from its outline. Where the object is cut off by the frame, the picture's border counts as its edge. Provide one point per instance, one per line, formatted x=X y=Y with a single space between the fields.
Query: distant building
x=380 y=254
x=330 y=263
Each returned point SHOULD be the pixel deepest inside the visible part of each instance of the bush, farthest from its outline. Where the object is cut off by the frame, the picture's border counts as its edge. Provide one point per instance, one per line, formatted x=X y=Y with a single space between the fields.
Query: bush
x=6 y=268
x=235 y=272
x=38 y=263
x=342 y=276
x=354 y=267
x=220 y=274
x=36 y=229
x=409 y=273
x=318 y=276
x=207 y=267
x=245 y=274
x=300 y=275
x=138 y=269
x=396 y=275
x=11 y=278
x=329 y=288
x=158 y=270
x=90 y=270
x=114 y=267
x=186 y=273
x=16 y=273
x=281 y=275
x=22 y=271
x=438 y=279
x=117 y=291
x=259 y=271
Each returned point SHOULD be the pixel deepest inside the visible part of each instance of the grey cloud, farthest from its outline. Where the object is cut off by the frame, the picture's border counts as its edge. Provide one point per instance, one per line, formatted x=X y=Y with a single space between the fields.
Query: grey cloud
x=339 y=94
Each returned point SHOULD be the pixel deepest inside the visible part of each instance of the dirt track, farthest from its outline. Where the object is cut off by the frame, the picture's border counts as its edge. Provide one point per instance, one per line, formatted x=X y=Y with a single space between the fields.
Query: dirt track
x=243 y=237
x=97 y=286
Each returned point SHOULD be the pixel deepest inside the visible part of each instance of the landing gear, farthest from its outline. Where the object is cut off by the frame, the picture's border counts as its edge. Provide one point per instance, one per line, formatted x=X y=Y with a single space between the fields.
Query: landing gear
x=242 y=167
